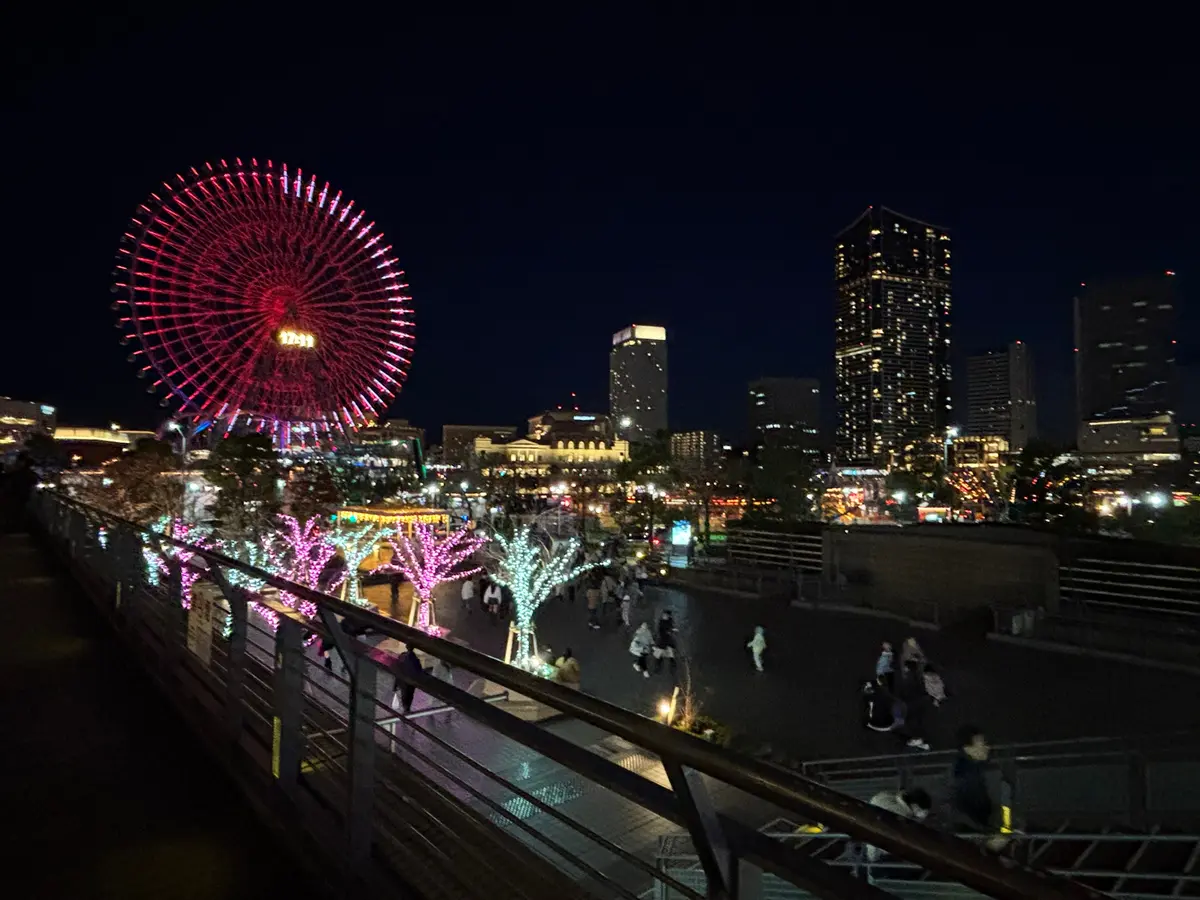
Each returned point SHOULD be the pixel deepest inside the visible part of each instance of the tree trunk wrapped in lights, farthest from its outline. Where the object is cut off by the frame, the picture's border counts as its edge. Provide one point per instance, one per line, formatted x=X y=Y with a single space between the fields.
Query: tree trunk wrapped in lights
x=428 y=560
x=531 y=567
x=355 y=544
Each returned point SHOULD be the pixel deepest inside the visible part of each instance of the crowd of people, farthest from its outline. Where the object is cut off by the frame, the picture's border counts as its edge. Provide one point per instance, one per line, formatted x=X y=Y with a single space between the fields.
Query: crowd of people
x=903 y=693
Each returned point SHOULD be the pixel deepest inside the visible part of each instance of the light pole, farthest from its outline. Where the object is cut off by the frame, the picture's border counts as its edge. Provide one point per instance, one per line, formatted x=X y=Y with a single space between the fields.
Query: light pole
x=183 y=450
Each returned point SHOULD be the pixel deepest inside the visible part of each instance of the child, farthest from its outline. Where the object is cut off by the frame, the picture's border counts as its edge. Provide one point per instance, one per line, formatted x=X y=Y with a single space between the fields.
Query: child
x=643 y=640
x=934 y=686
x=757 y=645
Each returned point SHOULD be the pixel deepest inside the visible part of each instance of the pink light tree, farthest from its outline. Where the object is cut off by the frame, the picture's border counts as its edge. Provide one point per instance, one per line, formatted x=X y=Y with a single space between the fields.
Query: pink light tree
x=306 y=551
x=428 y=560
x=159 y=556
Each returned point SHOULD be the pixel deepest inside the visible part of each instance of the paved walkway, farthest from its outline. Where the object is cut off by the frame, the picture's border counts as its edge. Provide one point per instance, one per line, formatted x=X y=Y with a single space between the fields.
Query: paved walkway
x=105 y=791
x=806 y=706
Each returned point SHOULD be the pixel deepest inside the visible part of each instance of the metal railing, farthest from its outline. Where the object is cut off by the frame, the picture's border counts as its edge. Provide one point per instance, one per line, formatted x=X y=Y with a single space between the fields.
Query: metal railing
x=1168 y=592
x=1137 y=781
x=776 y=549
x=459 y=798
x=1127 y=866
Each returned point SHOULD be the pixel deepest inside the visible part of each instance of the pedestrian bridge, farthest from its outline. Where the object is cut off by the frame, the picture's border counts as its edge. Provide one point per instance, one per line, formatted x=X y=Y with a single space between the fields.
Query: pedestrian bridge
x=465 y=797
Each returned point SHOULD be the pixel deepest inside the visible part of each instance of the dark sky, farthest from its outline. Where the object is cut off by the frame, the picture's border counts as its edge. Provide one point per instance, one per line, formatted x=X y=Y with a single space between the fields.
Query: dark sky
x=545 y=184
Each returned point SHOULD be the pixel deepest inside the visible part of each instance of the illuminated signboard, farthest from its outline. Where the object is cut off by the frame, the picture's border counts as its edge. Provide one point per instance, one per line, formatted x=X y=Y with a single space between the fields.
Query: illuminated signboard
x=303 y=339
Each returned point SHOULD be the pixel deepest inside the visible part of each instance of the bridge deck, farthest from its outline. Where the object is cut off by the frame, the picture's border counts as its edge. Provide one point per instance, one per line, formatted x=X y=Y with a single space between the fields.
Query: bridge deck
x=108 y=793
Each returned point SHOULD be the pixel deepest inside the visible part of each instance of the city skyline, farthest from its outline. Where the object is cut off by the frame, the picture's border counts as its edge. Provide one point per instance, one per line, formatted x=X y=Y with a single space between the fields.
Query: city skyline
x=534 y=215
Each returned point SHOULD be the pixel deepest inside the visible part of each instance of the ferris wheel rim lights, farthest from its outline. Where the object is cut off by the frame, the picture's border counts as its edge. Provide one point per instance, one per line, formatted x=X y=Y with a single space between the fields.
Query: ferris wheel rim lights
x=259 y=297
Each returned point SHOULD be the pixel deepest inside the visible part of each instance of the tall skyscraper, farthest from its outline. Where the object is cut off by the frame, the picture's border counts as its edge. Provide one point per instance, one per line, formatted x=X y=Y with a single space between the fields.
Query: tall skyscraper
x=785 y=414
x=1000 y=398
x=892 y=340
x=637 y=381
x=1125 y=377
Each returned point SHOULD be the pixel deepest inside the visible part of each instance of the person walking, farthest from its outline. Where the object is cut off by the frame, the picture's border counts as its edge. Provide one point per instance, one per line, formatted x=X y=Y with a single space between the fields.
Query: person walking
x=664 y=641
x=885 y=666
x=911 y=651
x=757 y=645
x=640 y=648
x=971 y=804
x=909 y=804
x=491 y=599
x=468 y=594
x=394 y=579
x=627 y=607
x=916 y=705
x=593 y=604
x=407 y=663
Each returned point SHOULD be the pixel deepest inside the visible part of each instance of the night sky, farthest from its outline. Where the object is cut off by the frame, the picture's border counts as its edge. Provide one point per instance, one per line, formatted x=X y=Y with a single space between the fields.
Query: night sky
x=546 y=184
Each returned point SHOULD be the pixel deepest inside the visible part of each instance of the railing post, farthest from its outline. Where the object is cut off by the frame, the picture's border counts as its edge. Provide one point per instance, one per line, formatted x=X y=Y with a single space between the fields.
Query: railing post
x=361 y=771
x=287 y=737
x=712 y=848
x=1137 y=790
x=235 y=676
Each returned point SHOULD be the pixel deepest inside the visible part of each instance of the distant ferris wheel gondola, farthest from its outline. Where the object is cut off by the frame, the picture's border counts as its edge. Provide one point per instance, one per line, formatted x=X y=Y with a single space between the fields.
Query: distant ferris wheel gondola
x=262 y=300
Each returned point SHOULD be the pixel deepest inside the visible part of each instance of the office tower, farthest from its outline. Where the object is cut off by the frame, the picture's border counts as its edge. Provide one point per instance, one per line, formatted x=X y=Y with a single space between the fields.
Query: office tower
x=785 y=414
x=696 y=451
x=892 y=340
x=637 y=381
x=1125 y=378
x=1000 y=398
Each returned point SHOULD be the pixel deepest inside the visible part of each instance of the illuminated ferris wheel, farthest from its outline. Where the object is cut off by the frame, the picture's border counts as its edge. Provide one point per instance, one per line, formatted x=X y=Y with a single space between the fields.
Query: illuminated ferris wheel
x=262 y=299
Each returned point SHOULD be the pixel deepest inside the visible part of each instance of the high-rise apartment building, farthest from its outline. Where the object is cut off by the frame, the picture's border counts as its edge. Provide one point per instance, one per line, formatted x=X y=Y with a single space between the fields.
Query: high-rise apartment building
x=1125 y=376
x=785 y=414
x=1000 y=398
x=637 y=381
x=892 y=340
x=696 y=451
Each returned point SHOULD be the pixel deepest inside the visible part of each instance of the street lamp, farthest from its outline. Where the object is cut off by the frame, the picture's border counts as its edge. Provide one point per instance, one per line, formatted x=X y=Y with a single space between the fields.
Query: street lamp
x=183 y=461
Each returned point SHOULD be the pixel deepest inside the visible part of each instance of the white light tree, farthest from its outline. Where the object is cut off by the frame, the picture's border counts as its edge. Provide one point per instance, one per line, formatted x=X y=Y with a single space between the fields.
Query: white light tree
x=531 y=568
x=355 y=544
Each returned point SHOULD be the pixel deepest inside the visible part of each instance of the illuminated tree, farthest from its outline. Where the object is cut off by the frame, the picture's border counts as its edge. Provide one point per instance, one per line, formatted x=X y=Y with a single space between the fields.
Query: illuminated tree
x=531 y=569
x=355 y=545
x=254 y=554
x=428 y=560
x=161 y=556
x=303 y=557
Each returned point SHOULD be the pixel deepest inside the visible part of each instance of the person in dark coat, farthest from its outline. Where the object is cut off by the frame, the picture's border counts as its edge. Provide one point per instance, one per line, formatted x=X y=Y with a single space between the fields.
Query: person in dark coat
x=970 y=799
x=911 y=692
x=407 y=663
x=879 y=704
x=664 y=641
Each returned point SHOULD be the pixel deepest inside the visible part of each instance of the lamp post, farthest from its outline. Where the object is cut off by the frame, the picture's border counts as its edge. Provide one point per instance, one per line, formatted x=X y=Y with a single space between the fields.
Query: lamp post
x=183 y=450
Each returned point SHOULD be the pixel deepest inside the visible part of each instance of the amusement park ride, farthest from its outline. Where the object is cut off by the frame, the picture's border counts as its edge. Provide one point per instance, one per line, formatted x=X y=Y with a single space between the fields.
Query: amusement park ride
x=262 y=301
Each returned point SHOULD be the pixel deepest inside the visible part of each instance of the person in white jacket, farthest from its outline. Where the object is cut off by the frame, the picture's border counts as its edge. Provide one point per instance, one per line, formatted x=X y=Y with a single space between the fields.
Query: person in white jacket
x=757 y=645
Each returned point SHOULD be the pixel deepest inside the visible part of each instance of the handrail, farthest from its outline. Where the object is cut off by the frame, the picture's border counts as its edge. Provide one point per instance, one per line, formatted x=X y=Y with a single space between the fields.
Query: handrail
x=1019 y=751
x=931 y=849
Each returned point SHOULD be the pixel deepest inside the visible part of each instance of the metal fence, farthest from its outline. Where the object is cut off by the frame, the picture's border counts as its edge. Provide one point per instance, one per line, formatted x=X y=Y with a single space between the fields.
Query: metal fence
x=459 y=798
x=775 y=549
x=1168 y=592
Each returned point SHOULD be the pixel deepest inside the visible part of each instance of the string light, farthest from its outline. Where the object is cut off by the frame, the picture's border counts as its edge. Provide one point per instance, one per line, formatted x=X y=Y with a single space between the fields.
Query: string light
x=254 y=554
x=158 y=561
x=305 y=553
x=355 y=546
x=428 y=560
x=531 y=570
